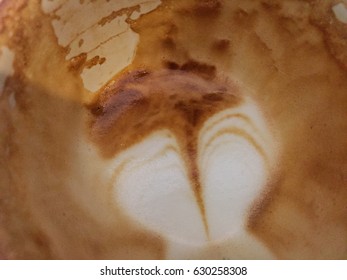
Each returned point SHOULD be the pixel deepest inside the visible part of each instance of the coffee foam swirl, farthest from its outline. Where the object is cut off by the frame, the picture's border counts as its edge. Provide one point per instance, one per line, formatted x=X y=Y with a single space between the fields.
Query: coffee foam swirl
x=190 y=155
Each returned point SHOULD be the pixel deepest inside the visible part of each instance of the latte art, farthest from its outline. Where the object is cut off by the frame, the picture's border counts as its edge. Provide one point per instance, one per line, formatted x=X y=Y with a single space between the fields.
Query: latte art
x=190 y=155
x=237 y=159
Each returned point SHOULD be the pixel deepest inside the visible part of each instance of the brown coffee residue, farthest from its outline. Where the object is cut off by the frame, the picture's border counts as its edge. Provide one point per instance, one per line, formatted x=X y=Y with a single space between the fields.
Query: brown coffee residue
x=39 y=216
x=143 y=101
x=115 y=14
x=290 y=57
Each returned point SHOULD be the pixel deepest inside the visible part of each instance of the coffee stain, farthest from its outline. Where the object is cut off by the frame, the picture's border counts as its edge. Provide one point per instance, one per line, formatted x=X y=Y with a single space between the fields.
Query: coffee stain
x=77 y=63
x=115 y=14
x=287 y=53
x=41 y=217
x=275 y=49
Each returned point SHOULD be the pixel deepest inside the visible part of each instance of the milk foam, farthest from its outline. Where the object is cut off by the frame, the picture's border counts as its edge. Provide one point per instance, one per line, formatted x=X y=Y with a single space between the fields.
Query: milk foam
x=152 y=185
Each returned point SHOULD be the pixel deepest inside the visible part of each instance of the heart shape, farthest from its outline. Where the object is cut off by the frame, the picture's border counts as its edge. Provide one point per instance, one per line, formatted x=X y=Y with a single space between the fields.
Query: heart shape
x=235 y=152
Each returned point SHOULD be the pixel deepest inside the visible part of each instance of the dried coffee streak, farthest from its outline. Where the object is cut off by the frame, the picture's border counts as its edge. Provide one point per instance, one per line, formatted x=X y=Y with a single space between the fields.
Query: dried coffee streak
x=193 y=171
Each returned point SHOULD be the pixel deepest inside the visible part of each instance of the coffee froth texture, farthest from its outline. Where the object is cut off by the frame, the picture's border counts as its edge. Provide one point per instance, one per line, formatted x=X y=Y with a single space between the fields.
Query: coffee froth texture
x=192 y=147
x=173 y=129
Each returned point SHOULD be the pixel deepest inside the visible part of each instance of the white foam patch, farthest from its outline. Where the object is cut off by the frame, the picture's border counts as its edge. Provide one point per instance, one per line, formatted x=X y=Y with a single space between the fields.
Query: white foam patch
x=153 y=187
x=6 y=65
x=233 y=177
x=77 y=26
x=340 y=11
x=235 y=158
x=233 y=169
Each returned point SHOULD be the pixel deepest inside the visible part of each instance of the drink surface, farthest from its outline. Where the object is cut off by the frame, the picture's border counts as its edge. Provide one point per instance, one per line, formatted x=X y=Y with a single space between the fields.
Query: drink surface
x=173 y=129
